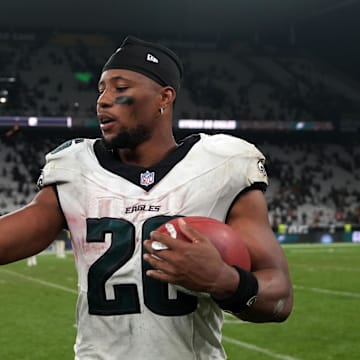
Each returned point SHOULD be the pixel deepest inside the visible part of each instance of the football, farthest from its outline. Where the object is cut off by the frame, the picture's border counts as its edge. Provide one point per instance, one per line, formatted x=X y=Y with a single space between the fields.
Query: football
x=226 y=240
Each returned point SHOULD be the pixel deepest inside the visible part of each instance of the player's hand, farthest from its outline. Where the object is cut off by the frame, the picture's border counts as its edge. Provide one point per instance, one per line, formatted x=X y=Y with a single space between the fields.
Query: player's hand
x=195 y=265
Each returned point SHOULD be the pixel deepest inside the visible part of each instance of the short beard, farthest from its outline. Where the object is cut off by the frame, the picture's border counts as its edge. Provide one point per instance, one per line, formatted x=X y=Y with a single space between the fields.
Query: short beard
x=128 y=139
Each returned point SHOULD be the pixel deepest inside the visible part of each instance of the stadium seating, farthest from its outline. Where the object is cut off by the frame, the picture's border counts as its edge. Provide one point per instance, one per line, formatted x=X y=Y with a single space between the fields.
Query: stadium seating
x=219 y=83
x=311 y=183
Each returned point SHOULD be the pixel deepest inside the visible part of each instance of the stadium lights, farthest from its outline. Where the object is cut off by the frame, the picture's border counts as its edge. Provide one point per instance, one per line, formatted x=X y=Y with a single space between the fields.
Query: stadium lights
x=7 y=79
x=207 y=124
x=36 y=121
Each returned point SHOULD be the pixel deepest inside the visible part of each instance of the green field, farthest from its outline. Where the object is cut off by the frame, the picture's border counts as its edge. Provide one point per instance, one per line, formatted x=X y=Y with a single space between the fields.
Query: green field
x=37 y=310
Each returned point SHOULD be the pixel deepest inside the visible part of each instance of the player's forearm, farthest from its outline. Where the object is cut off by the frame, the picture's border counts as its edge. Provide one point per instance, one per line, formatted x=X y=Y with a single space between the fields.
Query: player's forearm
x=24 y=233
x=274 y=299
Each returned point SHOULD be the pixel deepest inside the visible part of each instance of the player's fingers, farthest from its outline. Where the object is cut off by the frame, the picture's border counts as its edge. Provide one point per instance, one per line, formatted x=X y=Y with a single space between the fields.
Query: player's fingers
x=155 y=245
x=159 y=264
x=158 y=247
x=159 y=275
x=190 y=232
x=160 y=241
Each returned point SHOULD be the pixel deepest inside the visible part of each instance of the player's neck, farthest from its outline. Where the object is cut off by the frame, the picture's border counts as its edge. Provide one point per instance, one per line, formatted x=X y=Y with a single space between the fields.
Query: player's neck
x=147 y=154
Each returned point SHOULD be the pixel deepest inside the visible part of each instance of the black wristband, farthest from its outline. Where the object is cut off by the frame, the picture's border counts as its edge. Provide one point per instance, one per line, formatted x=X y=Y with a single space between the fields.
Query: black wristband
x=245 y=294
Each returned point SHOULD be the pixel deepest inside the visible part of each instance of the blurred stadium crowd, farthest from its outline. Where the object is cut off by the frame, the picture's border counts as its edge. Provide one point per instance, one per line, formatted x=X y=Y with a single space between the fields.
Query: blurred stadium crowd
x=312 y=183
x=56 y=74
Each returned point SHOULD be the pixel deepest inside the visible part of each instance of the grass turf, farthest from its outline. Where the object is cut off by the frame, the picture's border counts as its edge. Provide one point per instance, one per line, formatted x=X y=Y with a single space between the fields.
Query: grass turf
x=37 y=310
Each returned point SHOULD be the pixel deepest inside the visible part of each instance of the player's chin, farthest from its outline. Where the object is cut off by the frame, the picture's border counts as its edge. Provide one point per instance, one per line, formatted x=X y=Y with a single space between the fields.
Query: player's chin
x=109 y=140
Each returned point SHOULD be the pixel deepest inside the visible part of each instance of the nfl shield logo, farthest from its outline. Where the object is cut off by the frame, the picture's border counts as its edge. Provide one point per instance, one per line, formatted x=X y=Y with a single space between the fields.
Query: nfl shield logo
x=147 y=178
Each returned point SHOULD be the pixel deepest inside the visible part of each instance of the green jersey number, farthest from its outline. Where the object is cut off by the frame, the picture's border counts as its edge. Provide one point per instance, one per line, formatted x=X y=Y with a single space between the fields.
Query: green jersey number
x=126 y=297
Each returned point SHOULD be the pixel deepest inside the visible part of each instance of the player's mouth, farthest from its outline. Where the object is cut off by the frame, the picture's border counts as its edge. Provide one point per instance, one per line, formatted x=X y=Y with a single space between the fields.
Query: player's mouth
x=106 y=123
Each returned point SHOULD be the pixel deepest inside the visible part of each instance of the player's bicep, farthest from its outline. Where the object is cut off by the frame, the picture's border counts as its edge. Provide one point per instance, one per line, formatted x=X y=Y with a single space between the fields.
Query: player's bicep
x=46 y=203
x=249 y=216
x=32 y=228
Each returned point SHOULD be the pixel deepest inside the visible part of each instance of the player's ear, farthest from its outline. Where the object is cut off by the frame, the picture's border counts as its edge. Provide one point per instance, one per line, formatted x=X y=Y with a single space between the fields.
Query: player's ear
x=167 y=96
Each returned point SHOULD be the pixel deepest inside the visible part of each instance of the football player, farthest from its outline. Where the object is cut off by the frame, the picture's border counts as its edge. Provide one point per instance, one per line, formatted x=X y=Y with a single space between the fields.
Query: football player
x=113 y=193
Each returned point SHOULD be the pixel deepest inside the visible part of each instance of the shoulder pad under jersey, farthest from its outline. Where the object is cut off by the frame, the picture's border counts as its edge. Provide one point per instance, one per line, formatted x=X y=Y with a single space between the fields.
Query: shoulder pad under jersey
x=62 y=163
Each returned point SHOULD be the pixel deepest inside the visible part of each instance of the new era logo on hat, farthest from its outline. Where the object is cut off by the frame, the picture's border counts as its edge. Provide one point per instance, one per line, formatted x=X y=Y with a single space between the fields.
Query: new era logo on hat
x=152 y=58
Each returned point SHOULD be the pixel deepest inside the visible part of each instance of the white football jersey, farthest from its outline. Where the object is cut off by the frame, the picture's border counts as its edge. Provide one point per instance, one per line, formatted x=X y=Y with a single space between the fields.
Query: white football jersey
x=110 y=208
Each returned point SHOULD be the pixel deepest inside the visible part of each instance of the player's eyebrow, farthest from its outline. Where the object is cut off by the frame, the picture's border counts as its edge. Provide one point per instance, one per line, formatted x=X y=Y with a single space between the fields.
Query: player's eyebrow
x=114 y=78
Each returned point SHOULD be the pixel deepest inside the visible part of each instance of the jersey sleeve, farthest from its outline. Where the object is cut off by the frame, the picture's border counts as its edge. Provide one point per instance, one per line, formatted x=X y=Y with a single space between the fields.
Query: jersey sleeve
x=246 y=163
x=256 y=173
x=61 y=164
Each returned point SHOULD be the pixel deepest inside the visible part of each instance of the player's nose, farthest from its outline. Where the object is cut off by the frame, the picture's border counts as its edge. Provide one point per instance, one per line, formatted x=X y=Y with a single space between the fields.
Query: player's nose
x=104 y=99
